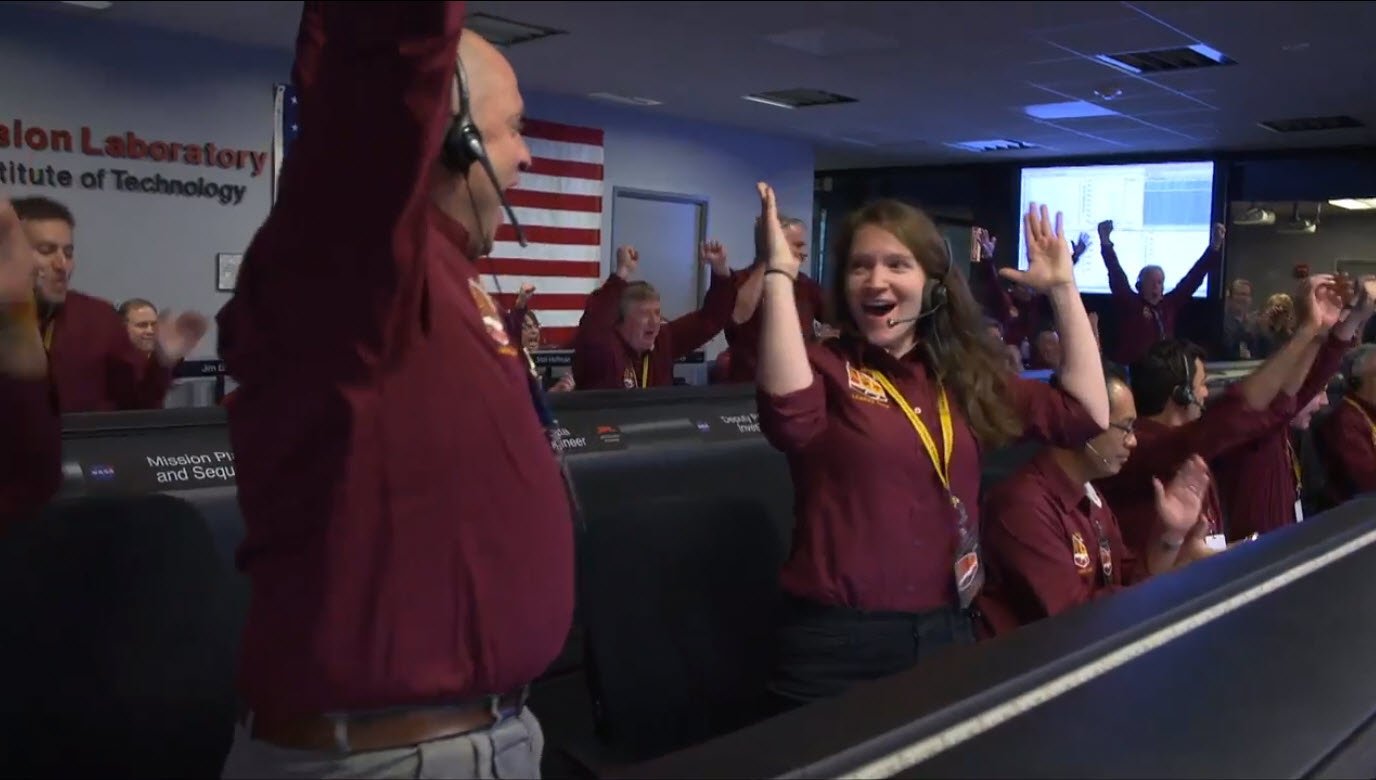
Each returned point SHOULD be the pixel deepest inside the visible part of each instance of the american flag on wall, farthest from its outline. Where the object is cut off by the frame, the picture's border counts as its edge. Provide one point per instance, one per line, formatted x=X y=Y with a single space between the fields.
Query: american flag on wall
x=559 y=204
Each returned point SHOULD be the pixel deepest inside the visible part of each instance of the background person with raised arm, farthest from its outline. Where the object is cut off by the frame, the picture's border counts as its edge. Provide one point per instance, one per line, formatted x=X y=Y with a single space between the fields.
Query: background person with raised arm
x=31 y=443
x=623 y=341
x=883 y=429
x=743 y=331
x=1261 y=483
x=1054 y=542
x=1170 y=390
x=1148 y=313
x=1021 y=313
x=409 y=540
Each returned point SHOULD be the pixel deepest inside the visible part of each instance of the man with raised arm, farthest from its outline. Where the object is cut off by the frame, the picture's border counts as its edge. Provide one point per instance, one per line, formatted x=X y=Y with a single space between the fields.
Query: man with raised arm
x=1168 y=386
x=1147 y=314
x=409 y=539
x=623 y=341
x=743 y=332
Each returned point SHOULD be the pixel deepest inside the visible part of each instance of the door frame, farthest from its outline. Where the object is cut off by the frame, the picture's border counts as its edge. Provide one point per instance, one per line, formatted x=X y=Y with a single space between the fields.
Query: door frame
x=663 y=197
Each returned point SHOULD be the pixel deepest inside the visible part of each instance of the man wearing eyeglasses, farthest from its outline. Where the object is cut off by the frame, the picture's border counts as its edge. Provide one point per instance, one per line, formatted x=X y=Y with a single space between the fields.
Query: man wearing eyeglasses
x=1053 y=542
x=1169 y=388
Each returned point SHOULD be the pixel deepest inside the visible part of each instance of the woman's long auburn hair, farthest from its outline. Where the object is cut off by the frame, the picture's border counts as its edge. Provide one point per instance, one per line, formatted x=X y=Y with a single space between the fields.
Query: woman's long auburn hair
x=956 y=345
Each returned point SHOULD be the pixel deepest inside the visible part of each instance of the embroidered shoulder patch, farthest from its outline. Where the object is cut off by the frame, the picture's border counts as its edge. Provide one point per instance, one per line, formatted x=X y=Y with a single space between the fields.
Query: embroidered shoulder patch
x=491 y=317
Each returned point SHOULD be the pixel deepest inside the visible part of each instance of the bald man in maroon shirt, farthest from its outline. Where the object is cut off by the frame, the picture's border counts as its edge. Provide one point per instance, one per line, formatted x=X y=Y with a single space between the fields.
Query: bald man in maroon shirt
x=1054 y=542
x=623 y=341
x=1168 y=386
x=31 y=447
x=1346 y=439
x=408 y=534
x=1147 y=314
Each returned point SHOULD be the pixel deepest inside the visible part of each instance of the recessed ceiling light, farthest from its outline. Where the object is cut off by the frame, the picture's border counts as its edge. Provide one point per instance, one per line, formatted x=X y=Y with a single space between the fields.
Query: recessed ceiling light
x=1075 y=109
x=94 y=5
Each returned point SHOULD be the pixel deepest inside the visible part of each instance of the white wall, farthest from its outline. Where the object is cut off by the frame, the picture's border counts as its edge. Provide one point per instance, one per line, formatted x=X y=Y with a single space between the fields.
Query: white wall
x=719 y=164
x=66 y=72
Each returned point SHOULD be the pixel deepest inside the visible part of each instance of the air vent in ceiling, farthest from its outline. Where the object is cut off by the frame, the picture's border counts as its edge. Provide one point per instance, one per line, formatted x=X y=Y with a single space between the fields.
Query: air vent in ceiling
x=799 y=98
x=629 y=100
x=1311 y=123
x=995 y=145
x=507 y=32
x=1166 y=60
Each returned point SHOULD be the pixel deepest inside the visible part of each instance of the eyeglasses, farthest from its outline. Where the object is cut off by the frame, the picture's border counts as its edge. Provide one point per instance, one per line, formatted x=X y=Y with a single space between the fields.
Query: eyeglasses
x=1127 y=428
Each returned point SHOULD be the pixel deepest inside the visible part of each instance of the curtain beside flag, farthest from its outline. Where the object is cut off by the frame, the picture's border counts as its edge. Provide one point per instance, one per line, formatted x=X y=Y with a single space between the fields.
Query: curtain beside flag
x=559 y=202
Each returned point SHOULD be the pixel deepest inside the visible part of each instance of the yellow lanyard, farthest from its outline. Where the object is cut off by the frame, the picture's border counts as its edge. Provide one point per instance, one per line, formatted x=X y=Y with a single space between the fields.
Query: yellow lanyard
x=1294 y=462
x=1370 y=424
x=942 y=464
x=48 y=336
x=645 y=370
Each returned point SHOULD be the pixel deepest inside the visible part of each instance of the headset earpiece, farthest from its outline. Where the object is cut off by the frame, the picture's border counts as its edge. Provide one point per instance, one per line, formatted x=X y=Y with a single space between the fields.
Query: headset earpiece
x=933 y=296
x=1183 y=393
x=463 y=146
x=463 y=143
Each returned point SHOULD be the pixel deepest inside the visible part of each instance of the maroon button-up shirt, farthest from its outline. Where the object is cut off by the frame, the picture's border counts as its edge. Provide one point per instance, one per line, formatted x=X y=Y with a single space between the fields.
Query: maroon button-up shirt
x=408 y=535
x=93 y=364
x=1347 y=446
x=1042 y=547
x=874 y=529
x=602 y=360
x=1257 y=481
x=30 y=447
x=1139 y=323
x=744 y=339
x=1225 y=424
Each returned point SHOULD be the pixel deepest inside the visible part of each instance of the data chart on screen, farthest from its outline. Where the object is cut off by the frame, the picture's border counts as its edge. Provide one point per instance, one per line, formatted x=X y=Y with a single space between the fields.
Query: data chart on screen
x=1162 y=215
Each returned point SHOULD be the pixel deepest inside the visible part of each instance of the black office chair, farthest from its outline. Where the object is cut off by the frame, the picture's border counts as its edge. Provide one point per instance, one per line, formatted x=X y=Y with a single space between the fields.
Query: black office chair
x=116 y=642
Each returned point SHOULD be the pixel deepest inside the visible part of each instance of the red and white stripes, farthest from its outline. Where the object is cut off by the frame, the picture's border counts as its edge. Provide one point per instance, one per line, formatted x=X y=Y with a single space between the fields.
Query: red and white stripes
x=559 y=204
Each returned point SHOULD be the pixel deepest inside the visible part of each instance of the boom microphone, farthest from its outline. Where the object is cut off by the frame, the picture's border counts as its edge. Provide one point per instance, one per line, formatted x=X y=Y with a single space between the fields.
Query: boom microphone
x=1107 y=464
x=510 y=212
x=905 y=320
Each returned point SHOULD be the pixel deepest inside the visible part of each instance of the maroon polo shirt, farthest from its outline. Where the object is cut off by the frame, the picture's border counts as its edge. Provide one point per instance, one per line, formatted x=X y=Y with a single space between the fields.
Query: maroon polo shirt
x=1225 y=424
x=1042 y=546
x=1347 y=446
x=602 y=360
x=1257 y=482
x=1141 y=324
x=744 y=339
x=874 y=529
x=30 y=449
x=408 y=537
x=93 y=364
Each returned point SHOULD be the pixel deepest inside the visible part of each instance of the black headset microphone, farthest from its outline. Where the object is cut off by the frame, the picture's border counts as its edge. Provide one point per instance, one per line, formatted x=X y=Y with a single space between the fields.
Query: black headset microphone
x=1106 y=462
x=933 y=298
x=1183 y=393
x=463 y=146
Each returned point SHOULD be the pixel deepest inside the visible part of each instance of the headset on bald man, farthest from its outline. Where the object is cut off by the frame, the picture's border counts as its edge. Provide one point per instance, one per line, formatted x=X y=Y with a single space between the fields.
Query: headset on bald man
x=463 y=146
